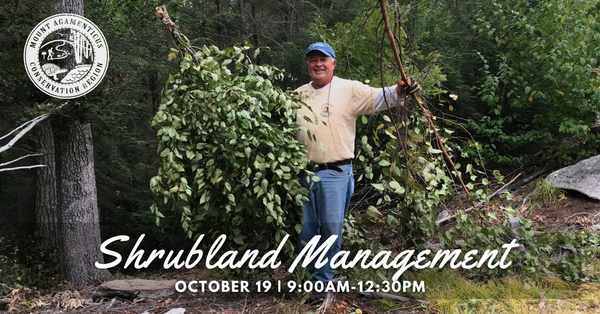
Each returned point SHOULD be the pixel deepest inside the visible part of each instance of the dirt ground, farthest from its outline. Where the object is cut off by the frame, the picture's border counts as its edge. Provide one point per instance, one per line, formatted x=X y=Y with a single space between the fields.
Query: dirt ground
x=572 y=212
x=200 y=303
x=575 y=212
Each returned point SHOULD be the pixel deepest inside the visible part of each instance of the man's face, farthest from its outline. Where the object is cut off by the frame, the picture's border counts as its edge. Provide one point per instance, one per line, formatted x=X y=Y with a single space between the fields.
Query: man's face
x=320 y=68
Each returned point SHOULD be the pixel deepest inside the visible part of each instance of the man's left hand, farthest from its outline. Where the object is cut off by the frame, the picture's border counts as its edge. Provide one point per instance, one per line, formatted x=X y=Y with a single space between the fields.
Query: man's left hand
x=410 y=88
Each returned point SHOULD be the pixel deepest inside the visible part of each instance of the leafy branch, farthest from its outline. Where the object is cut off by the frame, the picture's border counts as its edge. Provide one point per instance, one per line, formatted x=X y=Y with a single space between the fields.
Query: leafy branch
x=227 y=139
x=415 y=98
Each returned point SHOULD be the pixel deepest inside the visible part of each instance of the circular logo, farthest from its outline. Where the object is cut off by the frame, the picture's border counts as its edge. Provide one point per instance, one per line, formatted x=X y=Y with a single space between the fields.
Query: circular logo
x=66 y=56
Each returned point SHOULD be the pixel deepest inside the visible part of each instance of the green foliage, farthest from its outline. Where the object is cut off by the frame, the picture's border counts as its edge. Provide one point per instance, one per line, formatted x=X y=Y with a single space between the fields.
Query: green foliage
x=583 y=248
x=230 y=158
x=23 y=264
x=541 y=82
x=359 y=53
x=411 y=171
x=17 y=19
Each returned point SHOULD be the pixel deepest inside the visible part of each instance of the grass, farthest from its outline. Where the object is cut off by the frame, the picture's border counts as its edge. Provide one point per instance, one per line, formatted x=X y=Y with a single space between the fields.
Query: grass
x=542 y=192
x=450 y=292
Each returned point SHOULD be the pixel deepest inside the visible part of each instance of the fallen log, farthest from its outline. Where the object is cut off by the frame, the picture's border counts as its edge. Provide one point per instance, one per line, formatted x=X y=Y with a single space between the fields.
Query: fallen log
x=4 y=302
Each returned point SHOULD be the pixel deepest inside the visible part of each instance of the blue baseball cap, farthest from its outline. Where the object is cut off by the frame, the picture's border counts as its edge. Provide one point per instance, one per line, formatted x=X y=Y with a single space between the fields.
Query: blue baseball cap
x=322 y=47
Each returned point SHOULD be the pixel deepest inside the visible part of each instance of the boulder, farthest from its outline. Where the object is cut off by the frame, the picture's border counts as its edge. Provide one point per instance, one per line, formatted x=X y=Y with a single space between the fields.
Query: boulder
x=132 y=288
x=583 y=177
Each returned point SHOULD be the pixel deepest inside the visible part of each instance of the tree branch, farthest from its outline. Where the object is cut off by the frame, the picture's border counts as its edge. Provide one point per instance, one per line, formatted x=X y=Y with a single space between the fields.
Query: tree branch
x=23 y=167
x=163 y=15
x=416 y=99
x=27 y=126
x=22 y=157
x=483 y=202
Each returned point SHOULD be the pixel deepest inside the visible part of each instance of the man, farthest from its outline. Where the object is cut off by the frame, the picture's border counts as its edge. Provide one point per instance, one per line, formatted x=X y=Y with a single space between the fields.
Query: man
x=335 y=103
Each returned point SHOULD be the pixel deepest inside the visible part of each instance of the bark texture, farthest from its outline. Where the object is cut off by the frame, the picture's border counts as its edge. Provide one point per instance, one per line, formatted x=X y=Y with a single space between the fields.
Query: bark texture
x=79 y=221
x=69 y=6
x=46 y=202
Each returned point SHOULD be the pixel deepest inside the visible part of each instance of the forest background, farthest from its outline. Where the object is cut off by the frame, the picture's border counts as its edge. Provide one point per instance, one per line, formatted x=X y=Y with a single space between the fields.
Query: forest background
x=524 y=73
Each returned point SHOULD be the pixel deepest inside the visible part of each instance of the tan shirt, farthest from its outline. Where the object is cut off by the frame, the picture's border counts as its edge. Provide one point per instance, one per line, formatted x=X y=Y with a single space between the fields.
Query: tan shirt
x=335 y=108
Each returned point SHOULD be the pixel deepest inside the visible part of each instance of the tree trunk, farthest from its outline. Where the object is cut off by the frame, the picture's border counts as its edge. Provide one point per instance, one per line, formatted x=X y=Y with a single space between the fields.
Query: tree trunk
x=79 y=221
x=241 y=18
x=46 y=202
x=69 y=6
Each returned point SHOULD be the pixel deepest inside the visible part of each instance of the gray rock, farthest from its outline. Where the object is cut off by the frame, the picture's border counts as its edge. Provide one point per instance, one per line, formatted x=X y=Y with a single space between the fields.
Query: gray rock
x=178 y=310
x=514 y=226
x=132 y=288
x=560 y=253
x=583 y=177
x=445 y=213
x=514 y=223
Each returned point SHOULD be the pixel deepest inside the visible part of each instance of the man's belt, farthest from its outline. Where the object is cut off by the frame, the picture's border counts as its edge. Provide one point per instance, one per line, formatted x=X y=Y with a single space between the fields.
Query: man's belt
x=334 y=165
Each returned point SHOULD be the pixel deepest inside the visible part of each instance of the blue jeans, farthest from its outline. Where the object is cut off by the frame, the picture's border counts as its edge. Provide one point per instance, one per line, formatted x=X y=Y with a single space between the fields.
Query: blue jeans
x=324 y=212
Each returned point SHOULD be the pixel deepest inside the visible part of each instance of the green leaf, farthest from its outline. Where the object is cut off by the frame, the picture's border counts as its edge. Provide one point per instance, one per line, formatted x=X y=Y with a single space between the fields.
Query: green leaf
x=398 y=189
x=433 y=150
x=374 y=212
x=384 y=163
x=239 y=239
x=368 y=222
x=378 y=186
